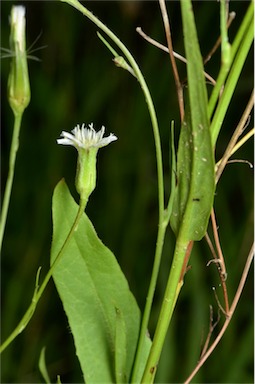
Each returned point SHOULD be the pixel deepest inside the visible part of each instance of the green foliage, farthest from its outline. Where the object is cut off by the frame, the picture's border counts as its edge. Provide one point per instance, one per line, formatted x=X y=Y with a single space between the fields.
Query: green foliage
x=101 y=310
x=69 y=86
x=195 y=161
x=194 y=192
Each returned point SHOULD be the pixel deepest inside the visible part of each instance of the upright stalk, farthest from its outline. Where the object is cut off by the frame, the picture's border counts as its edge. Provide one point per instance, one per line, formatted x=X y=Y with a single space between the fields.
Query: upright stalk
x=9 y=182
x=171 y=294
x=18 y=97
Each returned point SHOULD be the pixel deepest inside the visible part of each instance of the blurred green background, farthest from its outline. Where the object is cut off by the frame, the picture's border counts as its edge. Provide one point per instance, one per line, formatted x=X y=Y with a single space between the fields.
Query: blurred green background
x=75 y=82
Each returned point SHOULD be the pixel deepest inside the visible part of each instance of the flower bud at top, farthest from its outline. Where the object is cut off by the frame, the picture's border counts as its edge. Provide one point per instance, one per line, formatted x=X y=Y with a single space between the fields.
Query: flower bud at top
x=87 y=141
x=18 y=82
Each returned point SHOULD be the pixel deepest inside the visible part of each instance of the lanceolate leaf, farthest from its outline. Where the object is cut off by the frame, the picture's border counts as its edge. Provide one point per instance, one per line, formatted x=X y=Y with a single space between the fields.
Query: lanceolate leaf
x=195 y=162
x=102 y=312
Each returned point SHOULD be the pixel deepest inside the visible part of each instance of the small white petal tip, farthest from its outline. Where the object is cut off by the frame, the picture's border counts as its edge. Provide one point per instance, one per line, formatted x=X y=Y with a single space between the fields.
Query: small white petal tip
x=82 y=137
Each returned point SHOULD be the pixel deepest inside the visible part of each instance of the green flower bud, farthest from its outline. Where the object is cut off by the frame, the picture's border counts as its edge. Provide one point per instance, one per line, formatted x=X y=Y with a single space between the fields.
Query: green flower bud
x=85 y=181
x=18 y=82
x=87 y=141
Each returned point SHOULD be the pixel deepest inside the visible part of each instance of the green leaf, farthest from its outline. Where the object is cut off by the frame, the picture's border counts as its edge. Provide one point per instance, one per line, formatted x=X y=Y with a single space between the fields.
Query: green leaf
x=102 y=312
x=120 y=352
x=195 y=162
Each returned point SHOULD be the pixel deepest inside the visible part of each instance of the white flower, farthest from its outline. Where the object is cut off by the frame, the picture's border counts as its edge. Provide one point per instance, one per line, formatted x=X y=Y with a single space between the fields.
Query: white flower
x=86 y=138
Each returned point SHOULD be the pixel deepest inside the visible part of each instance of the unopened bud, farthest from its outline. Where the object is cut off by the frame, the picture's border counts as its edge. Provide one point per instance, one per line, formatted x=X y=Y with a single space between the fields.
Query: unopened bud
x=18 y=82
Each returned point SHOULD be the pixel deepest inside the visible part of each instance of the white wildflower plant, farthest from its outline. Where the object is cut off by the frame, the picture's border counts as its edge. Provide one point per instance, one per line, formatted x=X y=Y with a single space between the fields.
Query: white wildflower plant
x=87 y=142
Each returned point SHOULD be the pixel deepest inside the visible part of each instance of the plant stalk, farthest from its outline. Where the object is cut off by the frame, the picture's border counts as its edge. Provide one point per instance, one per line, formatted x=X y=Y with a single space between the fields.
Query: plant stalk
x=9 y=182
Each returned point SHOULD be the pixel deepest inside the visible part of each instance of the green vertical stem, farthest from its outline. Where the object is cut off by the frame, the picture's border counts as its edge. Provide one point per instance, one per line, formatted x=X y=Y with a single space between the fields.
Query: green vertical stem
x=172 y=291
x=9 y=182
x=231 y=83
x=238 y=41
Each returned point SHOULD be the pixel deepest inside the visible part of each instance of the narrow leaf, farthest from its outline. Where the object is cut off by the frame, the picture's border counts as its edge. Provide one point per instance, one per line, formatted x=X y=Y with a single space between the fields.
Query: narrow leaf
x=91 y=286
x=195 y=163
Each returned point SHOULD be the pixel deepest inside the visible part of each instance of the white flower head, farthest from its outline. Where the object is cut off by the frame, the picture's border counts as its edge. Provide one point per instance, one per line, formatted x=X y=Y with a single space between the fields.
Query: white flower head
x=86 y=138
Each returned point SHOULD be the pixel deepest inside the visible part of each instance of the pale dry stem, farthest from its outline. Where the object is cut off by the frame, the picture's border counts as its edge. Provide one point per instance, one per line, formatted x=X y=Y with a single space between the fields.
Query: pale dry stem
x=165 y=49
x=237 y=133
x=231 y=17
x=212 y=325
x=228 y=319
x=172 y=58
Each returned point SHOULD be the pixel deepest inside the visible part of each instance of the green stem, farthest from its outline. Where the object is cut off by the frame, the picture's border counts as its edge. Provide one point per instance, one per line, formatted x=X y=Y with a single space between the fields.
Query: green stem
x=231 y=83
x=226 y=59
x=162 y=222
x=238 y=41
x=38 y=292
x=161 y=236
x=9 y=182
x=173 y=167
x=172 y=291
x=149 y=301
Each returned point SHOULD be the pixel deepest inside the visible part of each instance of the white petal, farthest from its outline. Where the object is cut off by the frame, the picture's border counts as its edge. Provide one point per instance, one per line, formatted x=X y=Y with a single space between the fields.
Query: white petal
x=107 y=140
x=82 y=137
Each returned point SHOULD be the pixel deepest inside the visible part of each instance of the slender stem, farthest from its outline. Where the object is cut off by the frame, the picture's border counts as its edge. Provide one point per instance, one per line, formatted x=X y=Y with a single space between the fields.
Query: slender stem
x=237 y=133
x=212 y=326
x=226 y=58
x=239 y=52
x=231 y=17
x=240 y=143
x=219 y=250
x=38 y=292
x=243 y=140
x=228 y=319
x=148 y=305
x=235 y=46
x=173 y=167
x=222 y=276
x=172 y=58
x=9 y=182
x=165 y=49
x=225 y=46
x=231 y=84
x=222 y=270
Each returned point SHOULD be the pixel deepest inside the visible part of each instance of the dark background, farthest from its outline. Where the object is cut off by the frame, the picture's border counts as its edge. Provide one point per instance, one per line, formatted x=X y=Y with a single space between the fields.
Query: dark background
x=75 y=82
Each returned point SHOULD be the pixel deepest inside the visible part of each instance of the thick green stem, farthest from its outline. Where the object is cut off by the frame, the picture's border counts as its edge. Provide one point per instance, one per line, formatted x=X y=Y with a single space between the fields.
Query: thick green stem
x=149 y=300
x=172 y=291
